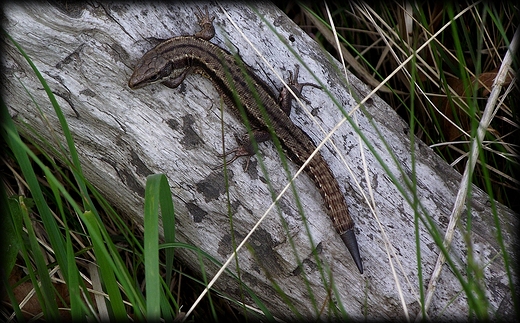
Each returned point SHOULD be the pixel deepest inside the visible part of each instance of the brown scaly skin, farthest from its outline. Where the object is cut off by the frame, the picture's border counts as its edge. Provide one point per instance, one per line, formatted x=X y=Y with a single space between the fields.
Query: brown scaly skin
x=253 y=101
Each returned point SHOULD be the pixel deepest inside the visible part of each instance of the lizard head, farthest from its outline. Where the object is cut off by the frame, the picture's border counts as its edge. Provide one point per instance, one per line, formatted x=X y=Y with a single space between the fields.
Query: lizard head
x=151 y=68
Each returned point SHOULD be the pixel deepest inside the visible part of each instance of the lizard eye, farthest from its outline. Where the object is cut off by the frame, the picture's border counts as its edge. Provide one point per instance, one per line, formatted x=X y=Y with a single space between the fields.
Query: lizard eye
x=162 y=73
x=154 y=78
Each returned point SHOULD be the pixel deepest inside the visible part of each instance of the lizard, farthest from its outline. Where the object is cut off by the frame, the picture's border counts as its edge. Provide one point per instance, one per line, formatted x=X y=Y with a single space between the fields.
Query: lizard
x=251 y=99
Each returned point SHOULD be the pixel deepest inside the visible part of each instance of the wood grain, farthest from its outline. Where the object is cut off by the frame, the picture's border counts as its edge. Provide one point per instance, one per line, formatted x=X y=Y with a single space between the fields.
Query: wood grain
x=86 y=53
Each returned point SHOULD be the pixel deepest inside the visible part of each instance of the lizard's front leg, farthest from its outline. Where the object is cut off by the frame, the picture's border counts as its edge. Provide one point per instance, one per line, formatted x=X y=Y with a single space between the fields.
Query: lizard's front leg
x=245 y=146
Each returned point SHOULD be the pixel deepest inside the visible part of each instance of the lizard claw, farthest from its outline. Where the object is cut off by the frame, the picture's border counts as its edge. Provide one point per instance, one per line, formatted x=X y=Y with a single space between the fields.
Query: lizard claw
x=207 y=30
x=285 y=97
x=239 y=152
x=243 y=150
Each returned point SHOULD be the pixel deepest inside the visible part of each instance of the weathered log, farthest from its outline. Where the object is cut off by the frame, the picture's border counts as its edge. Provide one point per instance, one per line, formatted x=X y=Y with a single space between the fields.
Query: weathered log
x=86 y=53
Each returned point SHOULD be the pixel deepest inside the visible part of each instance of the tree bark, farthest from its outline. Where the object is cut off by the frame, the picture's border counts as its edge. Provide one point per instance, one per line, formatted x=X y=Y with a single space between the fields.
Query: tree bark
x=86 y=54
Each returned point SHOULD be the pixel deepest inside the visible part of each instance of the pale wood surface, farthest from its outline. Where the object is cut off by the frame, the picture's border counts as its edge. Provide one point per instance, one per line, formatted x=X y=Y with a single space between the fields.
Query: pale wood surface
x=86 y=54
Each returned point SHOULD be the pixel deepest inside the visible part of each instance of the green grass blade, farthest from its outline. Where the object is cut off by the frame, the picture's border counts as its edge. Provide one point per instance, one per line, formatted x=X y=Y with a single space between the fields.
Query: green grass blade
x=9 y=238
x=63 y=123
x=109 y=256
x=12 y=299
x=17 y=147
x=16 y=224
x=76 y=303
x=152 y=204
x=413 y=175
x=258 y=302
x=106 y=266
x=64 y=251
x=168 y=222
x=46 y=295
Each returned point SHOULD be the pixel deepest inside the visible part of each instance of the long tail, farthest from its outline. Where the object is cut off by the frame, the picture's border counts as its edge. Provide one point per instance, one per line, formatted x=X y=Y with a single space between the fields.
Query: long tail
x=336 y=205
x=349 y=239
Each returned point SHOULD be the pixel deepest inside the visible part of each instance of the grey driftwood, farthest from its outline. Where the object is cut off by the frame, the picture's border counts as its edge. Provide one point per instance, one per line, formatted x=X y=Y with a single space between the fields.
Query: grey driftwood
x=87 y=54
